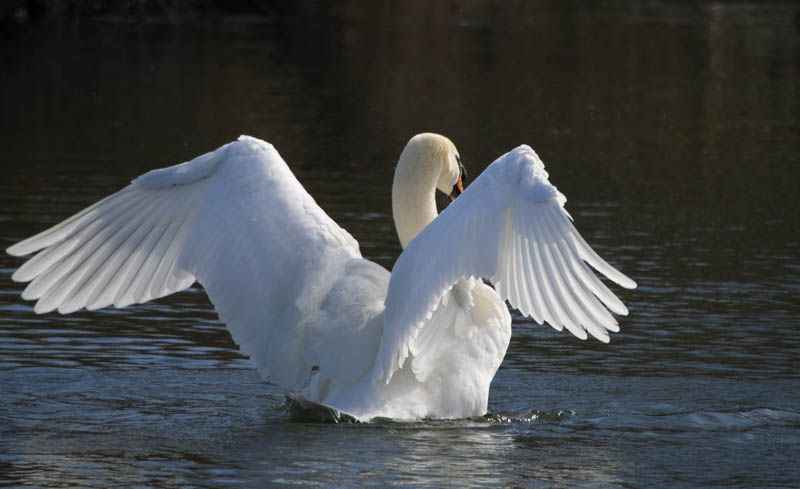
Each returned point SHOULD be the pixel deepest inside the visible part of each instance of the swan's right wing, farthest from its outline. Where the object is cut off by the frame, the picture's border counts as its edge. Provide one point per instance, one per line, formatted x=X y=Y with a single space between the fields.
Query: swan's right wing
x=510 y=227
x=235 y=219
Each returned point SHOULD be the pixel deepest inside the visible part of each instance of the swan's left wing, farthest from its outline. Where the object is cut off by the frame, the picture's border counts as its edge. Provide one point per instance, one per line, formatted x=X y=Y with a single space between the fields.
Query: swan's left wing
x=236 y=220
x=509 y=227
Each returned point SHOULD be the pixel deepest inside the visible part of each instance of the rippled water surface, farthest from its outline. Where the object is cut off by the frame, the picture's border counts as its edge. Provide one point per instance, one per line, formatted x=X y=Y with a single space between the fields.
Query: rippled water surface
x=672 y=129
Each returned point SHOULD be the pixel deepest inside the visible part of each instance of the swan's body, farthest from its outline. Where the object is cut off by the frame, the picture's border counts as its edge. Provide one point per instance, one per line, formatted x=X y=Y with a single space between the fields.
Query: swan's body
x=295 y=293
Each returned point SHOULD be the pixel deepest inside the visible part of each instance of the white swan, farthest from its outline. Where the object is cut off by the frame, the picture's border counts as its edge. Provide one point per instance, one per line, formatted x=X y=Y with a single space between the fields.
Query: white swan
x=314 y=316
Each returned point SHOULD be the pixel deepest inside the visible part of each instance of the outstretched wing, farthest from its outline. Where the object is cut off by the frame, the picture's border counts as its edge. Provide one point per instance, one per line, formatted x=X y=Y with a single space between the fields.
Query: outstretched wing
x=235 y=219
x=509 y=227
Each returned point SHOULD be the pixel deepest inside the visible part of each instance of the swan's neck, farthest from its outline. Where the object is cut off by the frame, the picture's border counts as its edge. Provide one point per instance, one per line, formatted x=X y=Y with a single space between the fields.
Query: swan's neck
x=414 y=195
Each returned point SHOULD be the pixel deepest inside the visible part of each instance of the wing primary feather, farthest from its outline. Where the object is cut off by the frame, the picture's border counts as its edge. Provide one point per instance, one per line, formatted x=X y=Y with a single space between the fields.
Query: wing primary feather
x=508 y=273
x=538 y=290
x=597 y=287
x=588 y=277
x=514 y=271
x=81 y=245
x=568 y=288
x=172 y=249
x=521 y=276
x=91 y=271
x=532 y=240
x=551 y=286
x=565 y=297
x=65 y=228
x=145 y=275
x=593 y=326
x=595 y=309
x=503 y=259
x=558 y=295
x=55 y=293
x=59 y=260
x=129 y=281
x=527 y=276
x=122 y=276
x=536 y=298
x=104 y=285
x=94 y=267
x=166 y=281
x=43 y=260
x=590 y=303
x=528 y=280
x=152 y=286
x=549 y=308
x=590 y=256
x=59 y=295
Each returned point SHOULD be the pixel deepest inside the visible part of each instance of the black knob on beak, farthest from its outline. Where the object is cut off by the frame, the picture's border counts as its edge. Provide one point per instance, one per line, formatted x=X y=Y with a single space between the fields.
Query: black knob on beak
x=459 y=186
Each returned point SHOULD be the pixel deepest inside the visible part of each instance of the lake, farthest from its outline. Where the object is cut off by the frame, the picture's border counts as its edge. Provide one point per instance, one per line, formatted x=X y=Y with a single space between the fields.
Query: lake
x=672 y=128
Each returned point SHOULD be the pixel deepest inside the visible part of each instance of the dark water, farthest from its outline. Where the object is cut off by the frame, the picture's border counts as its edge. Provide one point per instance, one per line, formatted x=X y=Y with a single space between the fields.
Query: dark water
x=672 y=128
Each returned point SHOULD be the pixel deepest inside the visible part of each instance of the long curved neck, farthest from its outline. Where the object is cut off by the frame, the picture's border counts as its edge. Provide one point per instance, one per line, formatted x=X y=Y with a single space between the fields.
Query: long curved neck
x=413 y=195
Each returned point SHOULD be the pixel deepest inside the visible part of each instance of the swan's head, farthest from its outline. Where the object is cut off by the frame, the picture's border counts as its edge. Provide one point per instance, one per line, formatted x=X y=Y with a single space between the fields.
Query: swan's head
x=435 y=155
x=428 y=162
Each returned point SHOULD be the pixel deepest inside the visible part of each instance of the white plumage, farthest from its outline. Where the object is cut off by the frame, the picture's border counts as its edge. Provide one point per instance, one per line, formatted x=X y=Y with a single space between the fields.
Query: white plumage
x=314 y=316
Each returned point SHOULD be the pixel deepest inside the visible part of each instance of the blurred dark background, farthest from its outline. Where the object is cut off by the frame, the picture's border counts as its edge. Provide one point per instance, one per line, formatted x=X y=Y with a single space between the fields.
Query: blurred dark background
x=22 y=11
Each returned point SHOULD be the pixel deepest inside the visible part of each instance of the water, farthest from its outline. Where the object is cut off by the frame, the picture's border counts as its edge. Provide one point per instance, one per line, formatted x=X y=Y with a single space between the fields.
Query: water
x=672 y=129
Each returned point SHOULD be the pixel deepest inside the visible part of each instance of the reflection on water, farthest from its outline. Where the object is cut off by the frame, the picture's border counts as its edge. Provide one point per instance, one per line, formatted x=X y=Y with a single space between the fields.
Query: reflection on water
x=186 y=333
x=673 y=130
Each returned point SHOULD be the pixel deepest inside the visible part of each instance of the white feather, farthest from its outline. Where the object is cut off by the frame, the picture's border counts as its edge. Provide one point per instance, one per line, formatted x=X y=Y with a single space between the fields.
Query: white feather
x=295 y=293
x=539 y=266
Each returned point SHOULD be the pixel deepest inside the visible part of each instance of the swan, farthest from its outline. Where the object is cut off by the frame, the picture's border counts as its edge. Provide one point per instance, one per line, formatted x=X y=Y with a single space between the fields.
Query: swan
x=339 y=332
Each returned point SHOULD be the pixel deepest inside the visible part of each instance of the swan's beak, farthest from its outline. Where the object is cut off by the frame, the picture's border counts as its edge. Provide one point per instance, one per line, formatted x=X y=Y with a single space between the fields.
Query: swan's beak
x=459 y=186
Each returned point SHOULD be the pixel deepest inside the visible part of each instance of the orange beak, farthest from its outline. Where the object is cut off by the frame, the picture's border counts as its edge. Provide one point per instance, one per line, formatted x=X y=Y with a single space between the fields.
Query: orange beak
x=458 y=188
